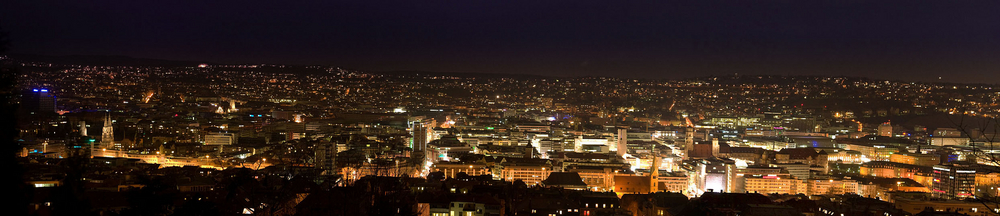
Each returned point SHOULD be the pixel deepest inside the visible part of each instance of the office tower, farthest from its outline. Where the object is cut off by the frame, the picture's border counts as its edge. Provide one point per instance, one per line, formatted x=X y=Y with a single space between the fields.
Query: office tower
x=688 y=142
x=326 y=154
x=39 y=101
x=954 y=181
x=421 y=136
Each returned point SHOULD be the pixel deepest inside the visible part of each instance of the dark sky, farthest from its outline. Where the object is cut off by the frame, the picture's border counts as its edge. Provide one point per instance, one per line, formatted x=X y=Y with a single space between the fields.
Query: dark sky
x=908 y=40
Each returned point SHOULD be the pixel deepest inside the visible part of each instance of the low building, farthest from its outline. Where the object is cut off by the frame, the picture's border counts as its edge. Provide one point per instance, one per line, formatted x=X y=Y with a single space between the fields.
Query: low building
x=917 y=206
x=565 y=180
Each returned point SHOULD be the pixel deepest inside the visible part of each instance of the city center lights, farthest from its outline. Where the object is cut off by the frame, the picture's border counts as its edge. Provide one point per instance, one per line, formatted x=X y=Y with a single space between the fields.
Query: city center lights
x=502 y=108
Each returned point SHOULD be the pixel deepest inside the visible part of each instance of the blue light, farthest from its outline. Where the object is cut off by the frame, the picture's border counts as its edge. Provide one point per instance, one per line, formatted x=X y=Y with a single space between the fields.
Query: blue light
x=45 y=90
x=34 y=90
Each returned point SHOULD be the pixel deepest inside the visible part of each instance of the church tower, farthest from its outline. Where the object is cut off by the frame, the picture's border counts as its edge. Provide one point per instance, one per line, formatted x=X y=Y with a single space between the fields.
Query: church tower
x=107 y=134
x=654 y=171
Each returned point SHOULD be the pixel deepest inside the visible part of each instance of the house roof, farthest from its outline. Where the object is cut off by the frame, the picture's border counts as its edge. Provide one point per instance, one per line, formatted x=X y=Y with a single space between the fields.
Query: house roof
x=564 y=178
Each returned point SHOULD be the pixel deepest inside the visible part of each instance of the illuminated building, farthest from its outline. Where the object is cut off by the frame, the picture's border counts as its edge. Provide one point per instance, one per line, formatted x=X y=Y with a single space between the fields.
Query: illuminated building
x=885 y=129
x=797 y=170
x=421 y=136
x=714 y=175
x=674 y=182
x=773 y=144
x=443 y=149
x=83 y=128
x=588 y=143
x=621 y=144
x=533 y=128
x=774 y=184
x=949 y=141
x=845 y=156
x=633 y=184
x=530 y=174
x=707 y=149
x=715 y=147
x=757 y=171
x=885 y=169
x=954 y=181
x=107 y=137
x=987 y=182
x=875 y=152
x=809 y=156
x=749 y=154
x=452 y=169
x=915 y=159
x=688 y=142
x=831 y=186
x=220 y=139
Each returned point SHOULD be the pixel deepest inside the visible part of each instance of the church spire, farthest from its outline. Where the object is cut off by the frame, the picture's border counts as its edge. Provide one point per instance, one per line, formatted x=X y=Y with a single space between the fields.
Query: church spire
x=108 y=133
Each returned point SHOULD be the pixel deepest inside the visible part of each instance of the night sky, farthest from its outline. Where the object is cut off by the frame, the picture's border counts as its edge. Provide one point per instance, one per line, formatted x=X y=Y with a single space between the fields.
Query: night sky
x=906 y=40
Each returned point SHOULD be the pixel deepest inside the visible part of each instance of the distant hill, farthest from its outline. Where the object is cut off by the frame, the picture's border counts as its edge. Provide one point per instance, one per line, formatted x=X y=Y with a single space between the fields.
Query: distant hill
x=101 y=60
x=462 y=74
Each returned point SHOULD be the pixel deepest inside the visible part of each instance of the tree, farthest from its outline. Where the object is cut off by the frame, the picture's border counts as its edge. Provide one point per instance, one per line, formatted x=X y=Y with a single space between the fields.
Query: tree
x=155 y=198
x=462 y=176
x=982 y=133
x=16 y=187
x=69 y=198
x=435 y=176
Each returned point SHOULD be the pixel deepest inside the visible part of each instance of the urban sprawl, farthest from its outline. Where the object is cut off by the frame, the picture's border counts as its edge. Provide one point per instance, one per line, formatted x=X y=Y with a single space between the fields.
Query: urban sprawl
x=317 y=140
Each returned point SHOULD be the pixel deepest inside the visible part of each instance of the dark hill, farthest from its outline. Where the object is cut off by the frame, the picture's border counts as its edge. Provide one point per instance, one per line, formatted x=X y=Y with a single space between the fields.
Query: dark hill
x=102 y=60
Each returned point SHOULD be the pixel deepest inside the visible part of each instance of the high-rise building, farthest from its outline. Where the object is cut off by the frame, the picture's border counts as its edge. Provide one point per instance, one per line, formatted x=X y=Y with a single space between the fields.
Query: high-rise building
x=39 y=100
x=622 y=145
x=688 y=142
x=422 y=134
x=83 y=128
x=954 y=180
x=326 y=154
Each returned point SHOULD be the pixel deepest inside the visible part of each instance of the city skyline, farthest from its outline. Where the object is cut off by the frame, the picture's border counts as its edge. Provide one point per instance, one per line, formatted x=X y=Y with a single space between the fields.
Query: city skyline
x=912 y=41
x=506 y=108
